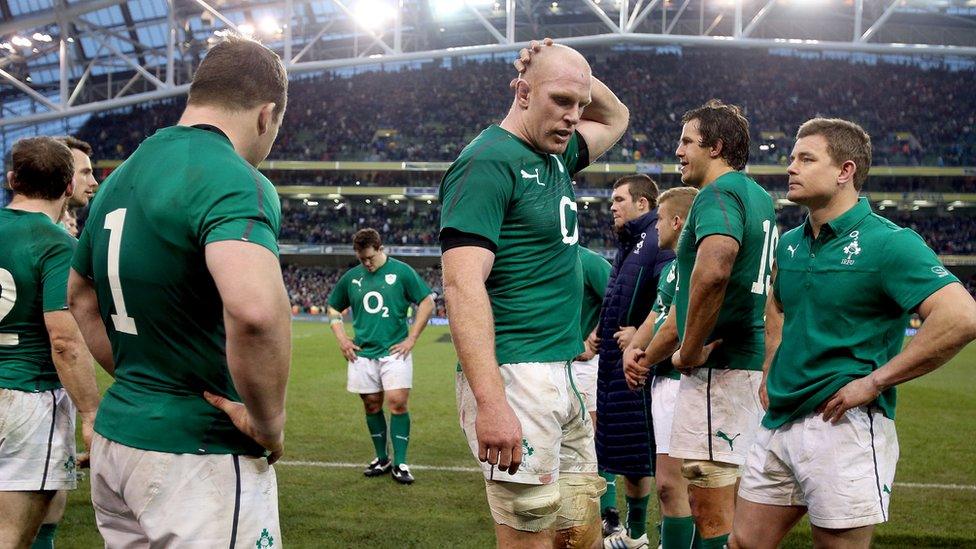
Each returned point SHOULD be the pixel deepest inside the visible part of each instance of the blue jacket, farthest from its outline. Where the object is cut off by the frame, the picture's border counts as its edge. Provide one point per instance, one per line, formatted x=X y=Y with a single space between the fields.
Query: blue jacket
x=624 y=433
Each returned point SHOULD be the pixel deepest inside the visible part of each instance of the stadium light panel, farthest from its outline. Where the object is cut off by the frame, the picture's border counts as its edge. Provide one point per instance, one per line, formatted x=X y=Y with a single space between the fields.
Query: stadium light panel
x=373 y=14
x=269 y=26
x=21 y=41
x=246 y=29
x=41 y=37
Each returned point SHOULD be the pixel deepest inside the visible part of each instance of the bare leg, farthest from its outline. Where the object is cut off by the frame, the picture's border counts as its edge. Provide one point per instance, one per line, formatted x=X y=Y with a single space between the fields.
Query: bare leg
x=713 y=509
x=22 y=515
x=372 y=402
x=850 y=538
x=672 y=487
x=508 y=537
x=396 y=400
x=761 y=526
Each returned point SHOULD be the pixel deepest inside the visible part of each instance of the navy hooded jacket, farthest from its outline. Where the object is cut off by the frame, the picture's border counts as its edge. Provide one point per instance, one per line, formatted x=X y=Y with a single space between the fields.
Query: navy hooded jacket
x=624 y=433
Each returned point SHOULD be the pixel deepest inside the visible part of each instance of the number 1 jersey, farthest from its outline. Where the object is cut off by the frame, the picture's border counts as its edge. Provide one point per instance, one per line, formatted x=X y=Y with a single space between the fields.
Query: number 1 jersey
x=143 y=246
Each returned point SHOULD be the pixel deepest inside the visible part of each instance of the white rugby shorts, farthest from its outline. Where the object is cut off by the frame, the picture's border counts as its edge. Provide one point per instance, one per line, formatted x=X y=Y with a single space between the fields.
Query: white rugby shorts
x=664 y=396
x=157 y=499
x=556 y=429
x=717 y=415
x=37 y=431
x=842 y=473
x=585 y=375
x=374 y=375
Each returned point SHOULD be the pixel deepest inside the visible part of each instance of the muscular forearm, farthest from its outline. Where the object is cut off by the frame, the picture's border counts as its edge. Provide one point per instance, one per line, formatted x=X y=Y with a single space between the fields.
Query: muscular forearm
x=707 y=294
x=472 y=329
x=336 y=325
x=774 y=333
x=424 y=311
x=605 y=108
x=77 y=374
x=258 y=355
x=942 y=335
x=83 y=304
x=665 y=341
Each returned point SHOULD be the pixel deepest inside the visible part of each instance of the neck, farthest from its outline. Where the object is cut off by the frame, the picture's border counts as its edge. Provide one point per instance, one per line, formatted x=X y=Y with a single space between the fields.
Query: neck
x=381 y=262
x=514 y=124
x=831 y=209
x=716 y=169
x=51 y=208
x=232 y=126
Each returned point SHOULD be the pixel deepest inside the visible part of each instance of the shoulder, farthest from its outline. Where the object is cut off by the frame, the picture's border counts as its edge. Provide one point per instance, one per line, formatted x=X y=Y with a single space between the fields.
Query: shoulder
x=51 y=236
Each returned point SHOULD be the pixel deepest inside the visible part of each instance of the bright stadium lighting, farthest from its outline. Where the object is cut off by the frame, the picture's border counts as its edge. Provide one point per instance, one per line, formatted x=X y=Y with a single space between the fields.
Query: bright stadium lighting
x=7 y=46
x=373 y=14
x=446 y=8
x=269 y=26
x=246 y=29
x=21 y=41
x=41 y=37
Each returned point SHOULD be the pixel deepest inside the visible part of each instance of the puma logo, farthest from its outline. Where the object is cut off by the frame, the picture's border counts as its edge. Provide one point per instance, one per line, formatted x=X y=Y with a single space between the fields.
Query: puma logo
x=358 y=282
x=402 y=438
x=725 y=437
x=527 y=175
x=792 y=250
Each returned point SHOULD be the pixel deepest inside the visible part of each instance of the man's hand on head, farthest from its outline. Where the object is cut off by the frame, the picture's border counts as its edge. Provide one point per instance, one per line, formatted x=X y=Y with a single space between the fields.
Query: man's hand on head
x=525 y=57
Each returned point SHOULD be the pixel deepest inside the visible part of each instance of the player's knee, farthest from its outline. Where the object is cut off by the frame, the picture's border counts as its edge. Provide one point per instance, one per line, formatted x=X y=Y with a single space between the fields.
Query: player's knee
x=709 y=474
x=397 y=406
x=524 y=507
x=579 y=495
x=669 y=491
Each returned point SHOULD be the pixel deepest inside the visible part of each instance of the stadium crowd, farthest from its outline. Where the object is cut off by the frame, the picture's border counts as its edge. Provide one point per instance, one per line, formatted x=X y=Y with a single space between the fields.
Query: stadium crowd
x=948 y=233
x=916 y=116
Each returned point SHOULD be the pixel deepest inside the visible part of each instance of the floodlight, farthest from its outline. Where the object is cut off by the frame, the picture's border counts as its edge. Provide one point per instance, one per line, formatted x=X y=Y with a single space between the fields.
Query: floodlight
x=269 y=25
x=373 y=14
x=246 y=29
x=41 y=37
x=21 y=41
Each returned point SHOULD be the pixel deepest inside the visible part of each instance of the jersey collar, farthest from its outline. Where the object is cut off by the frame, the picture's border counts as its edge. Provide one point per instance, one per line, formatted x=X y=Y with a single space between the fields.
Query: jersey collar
x=845 y=221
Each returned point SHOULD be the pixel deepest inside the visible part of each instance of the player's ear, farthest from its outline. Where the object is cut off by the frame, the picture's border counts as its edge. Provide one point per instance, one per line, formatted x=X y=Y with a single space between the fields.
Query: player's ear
x=716 y=150
x=846 y=175
x=265 y=118
x=71 y=188
x=522 y=89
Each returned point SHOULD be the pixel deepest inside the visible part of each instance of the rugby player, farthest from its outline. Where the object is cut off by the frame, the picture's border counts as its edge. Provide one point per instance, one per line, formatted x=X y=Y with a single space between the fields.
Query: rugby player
x=380 y=291
x=513 y=286
x=844 y=285
x=723 y=261
x=177 y=287
x=46 y=371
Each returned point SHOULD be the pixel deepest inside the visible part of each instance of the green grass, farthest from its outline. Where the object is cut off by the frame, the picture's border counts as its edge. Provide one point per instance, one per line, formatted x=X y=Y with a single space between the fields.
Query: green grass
x=338 y=507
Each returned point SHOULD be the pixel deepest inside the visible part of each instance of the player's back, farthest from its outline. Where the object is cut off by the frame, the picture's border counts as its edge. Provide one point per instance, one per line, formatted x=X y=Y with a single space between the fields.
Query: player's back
x=144 y=245
x=34 y=258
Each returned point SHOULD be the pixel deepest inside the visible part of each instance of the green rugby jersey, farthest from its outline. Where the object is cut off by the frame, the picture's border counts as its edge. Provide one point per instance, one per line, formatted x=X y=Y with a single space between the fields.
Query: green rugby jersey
x=846 y=298
x=596 y=274
x=35 y=255
x=379 y=302
x=666 y=288
x=733 y=205
x=522 y=200
x=143 y=246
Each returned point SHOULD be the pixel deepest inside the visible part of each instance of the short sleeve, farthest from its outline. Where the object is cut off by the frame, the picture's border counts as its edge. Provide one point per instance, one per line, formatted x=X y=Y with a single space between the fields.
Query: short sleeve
x=718 y=211
x=669 y=279
x=417 y=289
x=244 y=210
x=912 y=272
x=81 y=261
x=576 y=155
x=339 y=298
x=475 y=195
x=599 y=276
x=55 y=261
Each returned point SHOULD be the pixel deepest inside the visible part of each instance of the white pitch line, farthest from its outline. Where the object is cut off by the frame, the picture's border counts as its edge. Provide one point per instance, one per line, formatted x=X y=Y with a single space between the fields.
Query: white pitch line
x=456 y=469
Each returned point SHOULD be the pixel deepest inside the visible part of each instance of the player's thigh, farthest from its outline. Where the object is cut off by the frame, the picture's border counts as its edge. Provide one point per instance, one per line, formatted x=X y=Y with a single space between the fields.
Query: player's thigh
x=55 y=511
x=37 y=431
x=847 y=468
x=850 y=538
x=22 y=515
x=363 y=376
x=396 y=372
x=761 y=526
x=396 y=400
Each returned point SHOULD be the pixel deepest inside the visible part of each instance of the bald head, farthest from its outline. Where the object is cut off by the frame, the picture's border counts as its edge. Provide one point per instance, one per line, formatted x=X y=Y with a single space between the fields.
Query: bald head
x=557 y=62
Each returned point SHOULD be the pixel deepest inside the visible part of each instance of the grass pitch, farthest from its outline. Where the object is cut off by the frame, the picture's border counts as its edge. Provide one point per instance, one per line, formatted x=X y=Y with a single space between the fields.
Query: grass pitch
x=326 y=502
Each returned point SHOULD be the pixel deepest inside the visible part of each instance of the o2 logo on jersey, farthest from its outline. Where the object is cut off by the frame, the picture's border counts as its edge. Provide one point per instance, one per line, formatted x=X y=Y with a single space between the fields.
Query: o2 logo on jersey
x=373 y=308
x=567 y=203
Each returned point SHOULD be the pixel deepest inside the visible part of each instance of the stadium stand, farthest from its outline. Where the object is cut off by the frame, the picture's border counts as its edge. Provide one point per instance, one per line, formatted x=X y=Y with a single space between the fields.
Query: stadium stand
x=432 y=114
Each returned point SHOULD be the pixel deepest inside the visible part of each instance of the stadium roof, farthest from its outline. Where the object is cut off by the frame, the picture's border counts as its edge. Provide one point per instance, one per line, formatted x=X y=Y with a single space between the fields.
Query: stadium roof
x=61 y=58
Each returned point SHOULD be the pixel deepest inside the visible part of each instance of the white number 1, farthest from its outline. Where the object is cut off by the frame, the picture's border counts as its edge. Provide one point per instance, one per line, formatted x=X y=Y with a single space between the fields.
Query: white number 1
x=770 y=238
x=8 y=296
x=114 y=222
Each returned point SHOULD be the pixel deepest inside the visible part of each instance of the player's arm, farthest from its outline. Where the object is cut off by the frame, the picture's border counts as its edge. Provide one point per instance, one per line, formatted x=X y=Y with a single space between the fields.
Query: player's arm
x=83 y=304
x=499 y=432
x=641 y=356
x=948 y=325
x=258 y=321
x=424 y=311
x=774 y=336
x=603 y=121
x=709 y=280
x=346 y=345
x=73 y=363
